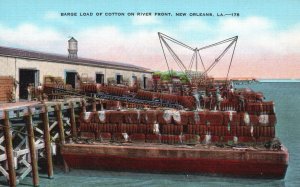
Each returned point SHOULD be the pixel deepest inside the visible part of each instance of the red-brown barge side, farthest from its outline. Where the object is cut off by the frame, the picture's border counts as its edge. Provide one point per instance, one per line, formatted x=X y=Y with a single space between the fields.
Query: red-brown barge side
x=178 y=159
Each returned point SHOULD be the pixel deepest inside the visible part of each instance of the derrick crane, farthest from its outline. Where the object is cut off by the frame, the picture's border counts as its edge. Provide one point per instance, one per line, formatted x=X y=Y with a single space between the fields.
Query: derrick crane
x=197 y=76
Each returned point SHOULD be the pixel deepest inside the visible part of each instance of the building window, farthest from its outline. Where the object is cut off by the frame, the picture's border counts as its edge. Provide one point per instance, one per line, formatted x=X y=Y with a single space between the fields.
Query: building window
x=100 y=78
x=71 y=78
x=145 y=82
x=134 y=80
x=27 y=77
x=119 y=79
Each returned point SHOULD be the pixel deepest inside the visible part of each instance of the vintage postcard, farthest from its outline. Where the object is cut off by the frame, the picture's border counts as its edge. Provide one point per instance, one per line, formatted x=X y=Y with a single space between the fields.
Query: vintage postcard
x=149 y=93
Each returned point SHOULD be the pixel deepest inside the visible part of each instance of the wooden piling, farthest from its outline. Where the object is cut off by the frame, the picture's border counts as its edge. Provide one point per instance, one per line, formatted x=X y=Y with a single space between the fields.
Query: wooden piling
x=72 y=120
x=31 y=140
x=60 y=123
x=61 y=131
x=94 y=104
x=9 y=151
x=47 y=141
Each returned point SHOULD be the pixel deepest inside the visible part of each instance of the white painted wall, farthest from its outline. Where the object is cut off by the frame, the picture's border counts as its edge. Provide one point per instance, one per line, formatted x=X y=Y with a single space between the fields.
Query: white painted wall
x=9 y=66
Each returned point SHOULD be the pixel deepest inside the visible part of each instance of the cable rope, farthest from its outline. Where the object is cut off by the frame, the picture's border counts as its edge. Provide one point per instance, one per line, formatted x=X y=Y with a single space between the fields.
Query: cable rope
x=231 y=60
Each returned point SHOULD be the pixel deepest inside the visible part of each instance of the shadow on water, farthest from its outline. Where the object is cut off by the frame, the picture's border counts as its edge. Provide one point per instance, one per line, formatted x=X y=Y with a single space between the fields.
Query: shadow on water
x=129 y=179
x=3 y=181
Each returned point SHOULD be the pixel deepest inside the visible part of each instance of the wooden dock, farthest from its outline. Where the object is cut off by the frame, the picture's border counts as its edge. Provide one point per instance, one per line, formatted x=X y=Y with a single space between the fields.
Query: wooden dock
x=32 y=130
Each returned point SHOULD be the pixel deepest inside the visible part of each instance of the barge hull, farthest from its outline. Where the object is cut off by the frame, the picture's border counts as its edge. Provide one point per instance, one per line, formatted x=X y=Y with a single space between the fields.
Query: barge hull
x=219 y=161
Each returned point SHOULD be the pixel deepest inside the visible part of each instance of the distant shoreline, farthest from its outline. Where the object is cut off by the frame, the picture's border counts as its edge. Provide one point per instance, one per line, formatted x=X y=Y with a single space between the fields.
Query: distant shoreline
x=278 y=80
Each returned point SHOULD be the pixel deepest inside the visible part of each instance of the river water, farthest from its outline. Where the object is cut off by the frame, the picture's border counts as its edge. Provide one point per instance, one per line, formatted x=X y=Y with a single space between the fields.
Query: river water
x=287 y=100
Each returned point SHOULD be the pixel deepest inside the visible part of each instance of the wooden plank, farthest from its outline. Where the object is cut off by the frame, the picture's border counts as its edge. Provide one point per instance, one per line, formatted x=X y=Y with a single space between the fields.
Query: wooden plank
x=2 y=157
x=72 y=120
x=6 y=81
x=61 y=131
x=26 y=151
x=3 y=171
x=60 y=123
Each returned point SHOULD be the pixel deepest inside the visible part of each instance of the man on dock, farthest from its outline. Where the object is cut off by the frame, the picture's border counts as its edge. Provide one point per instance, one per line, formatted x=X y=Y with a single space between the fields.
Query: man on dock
x=29 y=91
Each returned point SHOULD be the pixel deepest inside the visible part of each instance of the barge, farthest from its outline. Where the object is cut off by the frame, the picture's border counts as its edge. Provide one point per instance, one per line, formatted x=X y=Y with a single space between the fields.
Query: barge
x=178 y=159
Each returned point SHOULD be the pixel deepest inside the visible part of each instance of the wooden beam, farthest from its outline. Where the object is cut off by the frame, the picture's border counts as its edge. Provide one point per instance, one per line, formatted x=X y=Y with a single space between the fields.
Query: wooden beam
x=61 y=131
x=47 y=141
x=83 y=106
x=72 y=120
x=60 y=123
x=31 y=140
x=9 y=151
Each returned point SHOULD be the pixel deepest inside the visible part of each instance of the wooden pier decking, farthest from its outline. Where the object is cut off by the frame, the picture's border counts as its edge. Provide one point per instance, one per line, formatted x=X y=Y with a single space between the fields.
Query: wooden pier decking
x=31 y=130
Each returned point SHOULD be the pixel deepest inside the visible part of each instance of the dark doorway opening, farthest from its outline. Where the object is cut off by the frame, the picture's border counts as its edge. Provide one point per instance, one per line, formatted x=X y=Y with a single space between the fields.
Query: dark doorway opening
x=134 y=80
x=145 y=82
x=99 y=78
x=119 y=79
x=71 y=78
x=26 y=77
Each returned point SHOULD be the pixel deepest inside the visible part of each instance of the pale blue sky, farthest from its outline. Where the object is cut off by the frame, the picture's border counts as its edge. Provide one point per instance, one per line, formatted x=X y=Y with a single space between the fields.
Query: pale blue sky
x=32 y=11
x=269 y=31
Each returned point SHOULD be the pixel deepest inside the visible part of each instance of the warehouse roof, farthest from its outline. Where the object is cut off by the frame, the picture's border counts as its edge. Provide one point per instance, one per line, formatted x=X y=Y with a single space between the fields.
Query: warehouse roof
x=29 y=54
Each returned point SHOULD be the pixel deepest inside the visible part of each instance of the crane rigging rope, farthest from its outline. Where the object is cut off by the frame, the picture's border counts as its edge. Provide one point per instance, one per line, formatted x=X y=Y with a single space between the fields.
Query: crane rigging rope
x=164 y=39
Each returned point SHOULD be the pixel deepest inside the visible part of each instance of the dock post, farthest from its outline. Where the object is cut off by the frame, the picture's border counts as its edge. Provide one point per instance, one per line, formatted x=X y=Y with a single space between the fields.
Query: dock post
x=60 y=123
x=47 y=141
x=94 y=109
x=83 y=106
x=101 y=105
x=61 y=131
x=31 y=140
x=72 y=121
x=9 y=151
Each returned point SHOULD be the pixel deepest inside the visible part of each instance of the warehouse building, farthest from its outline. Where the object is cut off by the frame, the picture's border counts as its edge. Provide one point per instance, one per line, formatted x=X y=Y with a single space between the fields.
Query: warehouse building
x=30 y=67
